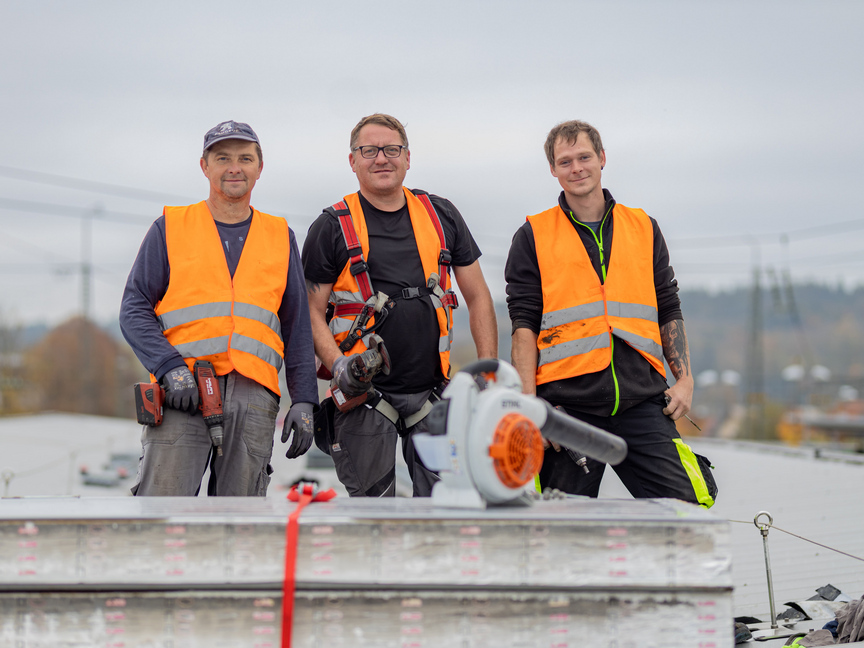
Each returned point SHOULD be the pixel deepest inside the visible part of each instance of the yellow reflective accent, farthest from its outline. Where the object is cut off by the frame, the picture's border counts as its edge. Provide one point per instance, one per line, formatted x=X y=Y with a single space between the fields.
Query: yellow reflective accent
x=694 y=472
x=537 y=483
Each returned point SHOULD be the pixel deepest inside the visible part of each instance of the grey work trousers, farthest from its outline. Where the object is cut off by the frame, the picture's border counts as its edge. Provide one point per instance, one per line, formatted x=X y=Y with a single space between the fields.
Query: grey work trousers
x=364 y=449
x=175 y=454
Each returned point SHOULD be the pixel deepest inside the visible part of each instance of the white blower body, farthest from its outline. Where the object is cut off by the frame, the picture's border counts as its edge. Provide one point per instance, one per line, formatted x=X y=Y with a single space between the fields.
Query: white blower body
x=485 y=438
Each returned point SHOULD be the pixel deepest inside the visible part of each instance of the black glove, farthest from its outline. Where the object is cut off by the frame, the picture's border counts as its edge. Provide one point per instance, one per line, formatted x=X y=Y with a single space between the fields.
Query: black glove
x=298 y=419
x=181 y=390
x=344 y=379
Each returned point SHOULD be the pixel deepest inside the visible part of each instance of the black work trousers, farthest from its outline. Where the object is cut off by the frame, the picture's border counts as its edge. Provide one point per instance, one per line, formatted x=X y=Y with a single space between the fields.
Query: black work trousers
x=658 y=462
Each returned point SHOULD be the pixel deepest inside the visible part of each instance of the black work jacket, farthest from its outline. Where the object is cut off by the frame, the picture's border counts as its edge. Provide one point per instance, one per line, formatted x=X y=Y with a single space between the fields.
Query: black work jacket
x=592 y=393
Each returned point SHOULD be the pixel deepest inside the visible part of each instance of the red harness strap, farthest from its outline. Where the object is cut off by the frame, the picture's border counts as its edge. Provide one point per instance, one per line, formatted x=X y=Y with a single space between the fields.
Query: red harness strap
x=355 y=251
x=355 y=254
x=308 y=495
x=444 y=257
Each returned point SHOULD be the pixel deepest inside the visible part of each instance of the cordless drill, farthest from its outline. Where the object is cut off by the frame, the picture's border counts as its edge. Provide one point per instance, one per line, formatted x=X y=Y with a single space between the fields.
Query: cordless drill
x=211 y=400
x=363 y=366
x=149 y=398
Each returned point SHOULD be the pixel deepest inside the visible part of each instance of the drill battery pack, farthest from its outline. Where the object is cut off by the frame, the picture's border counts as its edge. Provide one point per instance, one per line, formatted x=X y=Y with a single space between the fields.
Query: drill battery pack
x=148 y=403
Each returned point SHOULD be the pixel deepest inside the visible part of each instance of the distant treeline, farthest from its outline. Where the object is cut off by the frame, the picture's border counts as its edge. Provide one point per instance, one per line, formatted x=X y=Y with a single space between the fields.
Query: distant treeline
x=805 y=324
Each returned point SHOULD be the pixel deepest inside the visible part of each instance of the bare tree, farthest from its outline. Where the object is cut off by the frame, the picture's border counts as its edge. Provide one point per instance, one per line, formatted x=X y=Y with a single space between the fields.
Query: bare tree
x=78 y=367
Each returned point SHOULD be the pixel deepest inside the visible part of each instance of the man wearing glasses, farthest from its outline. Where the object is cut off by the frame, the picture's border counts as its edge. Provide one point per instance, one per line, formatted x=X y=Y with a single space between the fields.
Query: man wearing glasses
x=222 y=282
x=379 y=262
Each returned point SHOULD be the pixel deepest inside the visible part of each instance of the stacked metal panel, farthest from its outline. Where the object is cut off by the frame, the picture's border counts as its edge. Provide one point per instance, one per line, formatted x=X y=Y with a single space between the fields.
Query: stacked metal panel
x=208 y=572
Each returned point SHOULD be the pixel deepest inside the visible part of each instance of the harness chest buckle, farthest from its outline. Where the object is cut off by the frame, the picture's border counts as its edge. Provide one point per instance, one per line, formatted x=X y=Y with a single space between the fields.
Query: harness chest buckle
x=359 y=268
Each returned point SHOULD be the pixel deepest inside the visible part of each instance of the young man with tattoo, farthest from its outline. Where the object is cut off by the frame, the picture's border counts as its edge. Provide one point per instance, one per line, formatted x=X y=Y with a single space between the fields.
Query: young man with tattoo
x=593 y=317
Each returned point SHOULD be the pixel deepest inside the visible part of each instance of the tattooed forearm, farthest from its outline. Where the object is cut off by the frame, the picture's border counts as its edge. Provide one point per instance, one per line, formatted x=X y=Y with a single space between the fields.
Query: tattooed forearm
x=675 y=348
x=312 y=287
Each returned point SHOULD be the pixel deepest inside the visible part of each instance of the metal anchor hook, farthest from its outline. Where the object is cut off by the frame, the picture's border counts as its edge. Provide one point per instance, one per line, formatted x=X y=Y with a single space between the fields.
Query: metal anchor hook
x=7 y=476
x=763 y=529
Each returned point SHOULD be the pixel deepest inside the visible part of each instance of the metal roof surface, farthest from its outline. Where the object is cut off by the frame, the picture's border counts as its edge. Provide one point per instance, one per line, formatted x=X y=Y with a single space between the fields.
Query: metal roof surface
x=814 y=495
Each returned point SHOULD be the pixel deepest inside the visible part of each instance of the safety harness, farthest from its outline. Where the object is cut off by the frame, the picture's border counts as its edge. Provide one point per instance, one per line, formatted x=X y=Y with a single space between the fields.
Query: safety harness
x=380 y=304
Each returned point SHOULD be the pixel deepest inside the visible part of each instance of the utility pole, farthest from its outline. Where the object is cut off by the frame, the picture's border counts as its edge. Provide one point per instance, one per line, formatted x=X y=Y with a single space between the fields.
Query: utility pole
x=87 y=259
x=87 y=342
x=755 y=361
x=807 y=358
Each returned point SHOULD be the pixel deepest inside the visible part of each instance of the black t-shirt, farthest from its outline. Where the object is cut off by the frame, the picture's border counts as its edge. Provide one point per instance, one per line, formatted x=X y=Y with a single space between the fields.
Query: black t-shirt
x=410 y=331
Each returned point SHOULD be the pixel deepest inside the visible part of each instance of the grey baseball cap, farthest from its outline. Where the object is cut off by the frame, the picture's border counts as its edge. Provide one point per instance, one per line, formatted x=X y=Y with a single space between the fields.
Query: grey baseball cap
x=230 y=130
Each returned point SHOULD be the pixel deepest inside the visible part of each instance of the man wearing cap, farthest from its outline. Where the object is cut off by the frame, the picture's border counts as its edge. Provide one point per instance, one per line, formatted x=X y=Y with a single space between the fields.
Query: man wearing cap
x=221 y=281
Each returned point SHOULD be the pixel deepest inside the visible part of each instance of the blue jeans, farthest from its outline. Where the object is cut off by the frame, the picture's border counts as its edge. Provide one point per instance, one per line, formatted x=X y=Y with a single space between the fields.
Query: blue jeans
x=175 y=454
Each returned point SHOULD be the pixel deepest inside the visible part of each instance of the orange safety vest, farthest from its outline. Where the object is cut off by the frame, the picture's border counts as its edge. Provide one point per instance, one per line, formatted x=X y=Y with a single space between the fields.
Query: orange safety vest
x=207 y=315
x=580 y=314
x=353 y=289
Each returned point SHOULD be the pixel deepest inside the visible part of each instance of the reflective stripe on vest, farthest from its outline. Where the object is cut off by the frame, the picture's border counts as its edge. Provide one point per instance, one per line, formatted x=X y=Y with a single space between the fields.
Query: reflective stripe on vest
x=221 y=309
x=346 y=295
x=579 y=312
x=206 y=314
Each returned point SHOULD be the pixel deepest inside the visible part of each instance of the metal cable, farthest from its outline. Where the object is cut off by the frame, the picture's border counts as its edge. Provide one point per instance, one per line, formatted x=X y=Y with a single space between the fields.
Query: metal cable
x=818 y=544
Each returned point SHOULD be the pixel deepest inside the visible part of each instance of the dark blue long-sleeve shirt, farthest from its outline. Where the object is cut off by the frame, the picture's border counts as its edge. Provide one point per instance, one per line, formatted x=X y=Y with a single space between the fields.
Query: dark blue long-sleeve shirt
x=148 y=282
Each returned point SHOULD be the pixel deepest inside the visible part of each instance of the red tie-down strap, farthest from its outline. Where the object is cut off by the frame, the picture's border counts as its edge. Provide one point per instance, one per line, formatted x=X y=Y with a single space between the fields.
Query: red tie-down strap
x=304 y=494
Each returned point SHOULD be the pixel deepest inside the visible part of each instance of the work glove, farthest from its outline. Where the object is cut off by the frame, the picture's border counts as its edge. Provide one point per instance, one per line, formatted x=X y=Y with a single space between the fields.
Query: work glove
x=344 y=379
x=298 y=420
x=181 y=390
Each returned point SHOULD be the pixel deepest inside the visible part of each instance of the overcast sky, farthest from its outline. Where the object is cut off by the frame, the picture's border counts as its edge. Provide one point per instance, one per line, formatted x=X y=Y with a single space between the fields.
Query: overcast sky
x=732 y=123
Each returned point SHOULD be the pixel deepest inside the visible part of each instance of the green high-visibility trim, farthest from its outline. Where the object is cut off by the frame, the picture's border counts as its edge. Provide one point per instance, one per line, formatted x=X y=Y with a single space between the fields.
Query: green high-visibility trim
x=614 y=376
x=599 y=241
x=694 y=472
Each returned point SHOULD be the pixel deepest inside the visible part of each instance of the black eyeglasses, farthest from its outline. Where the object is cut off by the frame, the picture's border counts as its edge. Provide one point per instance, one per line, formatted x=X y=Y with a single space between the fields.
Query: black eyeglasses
x=391 y=151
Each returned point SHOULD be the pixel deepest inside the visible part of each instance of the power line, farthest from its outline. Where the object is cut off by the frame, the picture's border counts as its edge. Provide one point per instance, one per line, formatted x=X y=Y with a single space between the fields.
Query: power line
x=816 y=231
x=13 y=204
x=9 y=239
x=89 y=185
x=52 y=209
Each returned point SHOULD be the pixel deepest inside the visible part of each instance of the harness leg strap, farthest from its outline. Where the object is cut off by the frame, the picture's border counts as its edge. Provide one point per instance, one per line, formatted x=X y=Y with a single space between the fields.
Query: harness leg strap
x=390 y=413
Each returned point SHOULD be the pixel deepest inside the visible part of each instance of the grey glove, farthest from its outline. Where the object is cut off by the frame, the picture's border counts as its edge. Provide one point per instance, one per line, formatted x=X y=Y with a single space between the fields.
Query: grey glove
x=298 y=419
x=344 y=379
x=181 y=390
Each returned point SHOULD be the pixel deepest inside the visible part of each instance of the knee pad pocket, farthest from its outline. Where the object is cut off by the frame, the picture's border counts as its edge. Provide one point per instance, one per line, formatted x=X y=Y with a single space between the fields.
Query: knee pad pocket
x=258 y=430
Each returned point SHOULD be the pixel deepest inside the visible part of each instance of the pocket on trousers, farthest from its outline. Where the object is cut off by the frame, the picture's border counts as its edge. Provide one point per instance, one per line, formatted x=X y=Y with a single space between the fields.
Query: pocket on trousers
x=258 y=430
x=345 y=469
x=707 y=474
x=264 y=481
x=323 y=422
x=174 y=426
